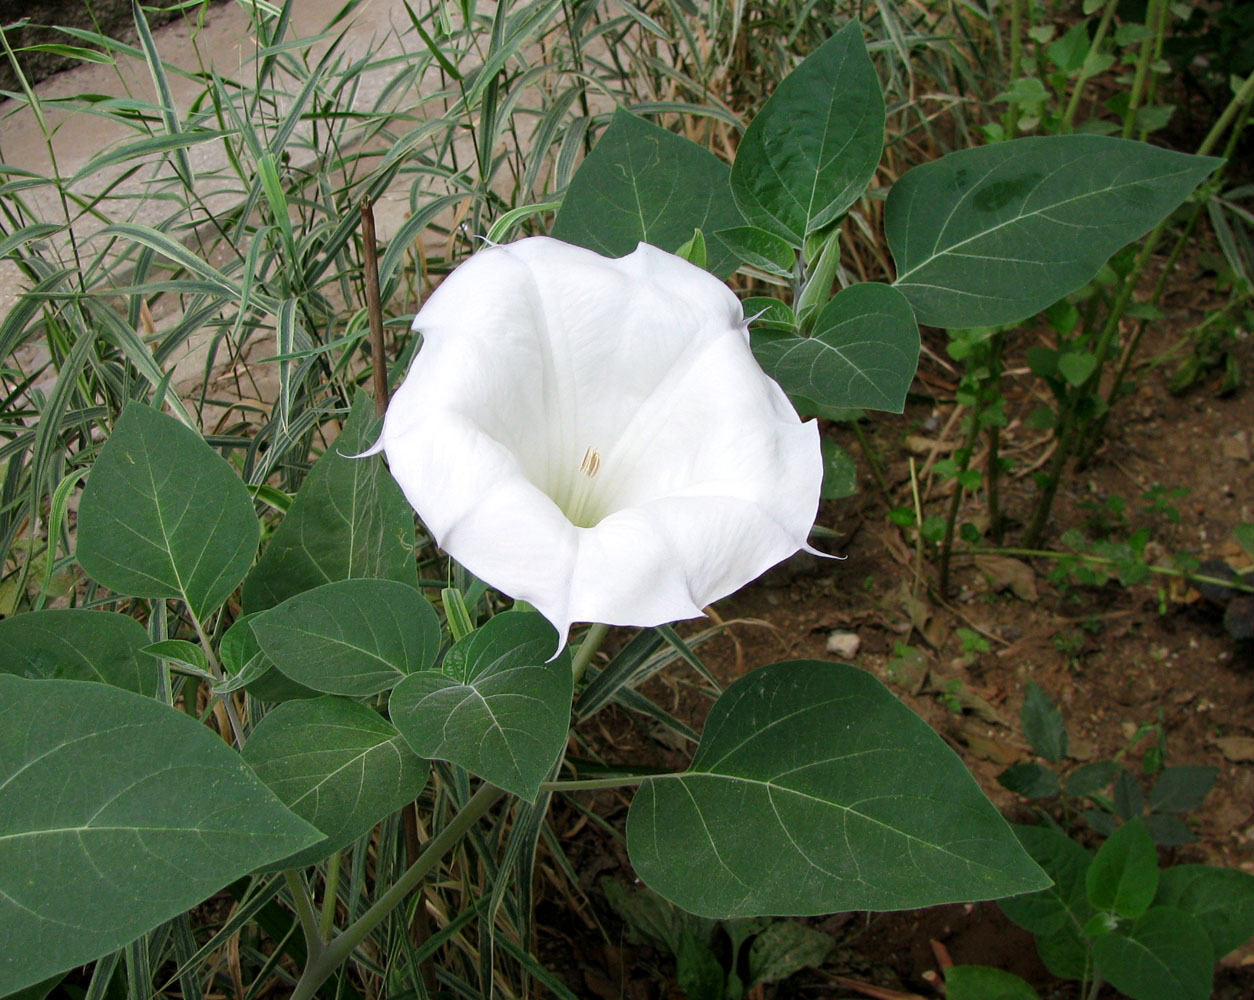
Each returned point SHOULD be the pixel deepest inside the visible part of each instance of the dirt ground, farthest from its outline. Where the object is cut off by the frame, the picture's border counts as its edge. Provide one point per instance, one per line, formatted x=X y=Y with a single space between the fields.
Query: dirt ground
x=1113 y=658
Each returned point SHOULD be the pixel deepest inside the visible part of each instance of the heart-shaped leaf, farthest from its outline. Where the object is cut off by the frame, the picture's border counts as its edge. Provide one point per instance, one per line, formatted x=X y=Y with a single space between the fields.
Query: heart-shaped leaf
x=990 y=235
x=815 y=145
x=814 y=790
x=337 y=764
x=643 y=184
x=497 y=708
x=863 y=353
x=164 y=515
x=355 y=637
x=118 y=812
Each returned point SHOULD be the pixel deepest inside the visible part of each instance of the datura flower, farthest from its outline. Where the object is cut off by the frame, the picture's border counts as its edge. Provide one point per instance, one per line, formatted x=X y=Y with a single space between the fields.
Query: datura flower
x=594 y=437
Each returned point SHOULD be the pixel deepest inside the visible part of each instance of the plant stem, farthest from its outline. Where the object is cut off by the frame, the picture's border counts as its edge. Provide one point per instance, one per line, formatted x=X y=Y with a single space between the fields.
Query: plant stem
x=329 y=890
x=237 y=728
x=992 y=474
x=951 y=518
x=374 y=308
x=1238 y=108
x=327 y=958
x=304 y=912
x=1030 y=553
x=1010 y=123
x=587 y=649
x=583 y=784
x=1152 y=17
x=872 y=462
x=1099 y=36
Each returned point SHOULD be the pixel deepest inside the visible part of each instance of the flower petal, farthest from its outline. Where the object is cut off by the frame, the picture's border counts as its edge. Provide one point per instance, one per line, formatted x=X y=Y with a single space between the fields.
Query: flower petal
x=594 y=436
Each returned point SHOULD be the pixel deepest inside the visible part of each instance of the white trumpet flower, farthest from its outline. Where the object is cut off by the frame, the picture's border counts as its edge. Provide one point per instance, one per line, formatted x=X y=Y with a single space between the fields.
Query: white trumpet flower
x=594 y=437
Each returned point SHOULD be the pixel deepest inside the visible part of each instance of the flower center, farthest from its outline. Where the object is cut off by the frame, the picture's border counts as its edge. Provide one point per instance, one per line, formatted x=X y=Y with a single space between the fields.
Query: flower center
x=580 y=504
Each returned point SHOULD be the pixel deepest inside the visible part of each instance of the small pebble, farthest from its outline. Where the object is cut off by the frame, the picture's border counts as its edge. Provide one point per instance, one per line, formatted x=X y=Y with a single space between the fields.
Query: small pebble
x=844 y=644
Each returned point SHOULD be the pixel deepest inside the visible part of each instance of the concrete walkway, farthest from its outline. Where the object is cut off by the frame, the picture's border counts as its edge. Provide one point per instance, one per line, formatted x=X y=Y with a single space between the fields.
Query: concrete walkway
x=221 y=38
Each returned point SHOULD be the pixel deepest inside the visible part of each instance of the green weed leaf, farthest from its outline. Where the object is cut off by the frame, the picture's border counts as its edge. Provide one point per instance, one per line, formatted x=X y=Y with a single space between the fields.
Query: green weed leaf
x=979 y=982
x=1221 y=899
x=1164 y=955
x=1124 y=874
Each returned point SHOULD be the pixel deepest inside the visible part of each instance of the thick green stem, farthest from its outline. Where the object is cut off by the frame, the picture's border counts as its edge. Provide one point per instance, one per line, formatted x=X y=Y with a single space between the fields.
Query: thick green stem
x=330 y=890
x=304 y=912
x=327 y=958
x=587 y=649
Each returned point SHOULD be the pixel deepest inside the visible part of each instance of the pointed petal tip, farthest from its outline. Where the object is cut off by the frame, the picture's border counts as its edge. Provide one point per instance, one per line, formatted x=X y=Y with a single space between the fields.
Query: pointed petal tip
x=374 y=449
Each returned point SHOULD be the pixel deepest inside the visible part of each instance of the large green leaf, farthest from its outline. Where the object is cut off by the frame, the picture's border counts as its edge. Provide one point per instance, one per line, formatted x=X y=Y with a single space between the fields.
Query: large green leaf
x=815 y=145
x=814 y=790
x=117 y=812
x=500 y=707
x=991 y=235
x=863 y=353
x=354 y=637
x=164 y=515
x=77 y=645
x=336 y=763
x=349 y=520
x=1164 y=955
x=642 y=183
x=1222 y=900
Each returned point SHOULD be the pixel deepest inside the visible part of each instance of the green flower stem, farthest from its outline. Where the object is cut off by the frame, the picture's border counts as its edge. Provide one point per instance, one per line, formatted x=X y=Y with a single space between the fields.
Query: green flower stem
x=1099 y=36
x=584 y=784
x=587 y=649
x=329 y=890
x=325 y=959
